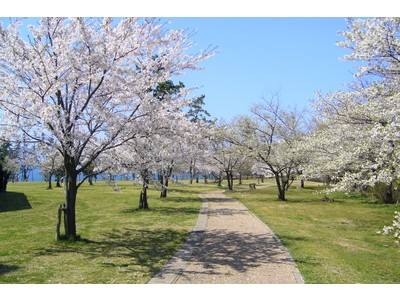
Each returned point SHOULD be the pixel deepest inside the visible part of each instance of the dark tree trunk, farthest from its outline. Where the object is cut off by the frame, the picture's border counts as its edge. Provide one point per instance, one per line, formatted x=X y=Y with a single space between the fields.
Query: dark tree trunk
x=4 y=177
x=229 y=178
x=50 y=187
x=281 y=187
x=219 y=179
x=164 y=190
x=166 y=177
x=25 y=173
x=71 y=190
x=302 y=183
x=389 y=194
x=143 y=203
x=3 y=185
x=90 y=180
x=70 y=213
x=58 y=181
x=191 y=172
x=240 y=179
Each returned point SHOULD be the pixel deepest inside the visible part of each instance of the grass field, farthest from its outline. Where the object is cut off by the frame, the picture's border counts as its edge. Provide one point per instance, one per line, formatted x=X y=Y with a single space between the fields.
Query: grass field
x=120 y=244
x=331 y=242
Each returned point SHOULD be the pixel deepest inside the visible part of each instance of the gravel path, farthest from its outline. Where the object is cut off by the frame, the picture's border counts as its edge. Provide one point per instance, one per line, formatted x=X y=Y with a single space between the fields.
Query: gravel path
x=229 y=245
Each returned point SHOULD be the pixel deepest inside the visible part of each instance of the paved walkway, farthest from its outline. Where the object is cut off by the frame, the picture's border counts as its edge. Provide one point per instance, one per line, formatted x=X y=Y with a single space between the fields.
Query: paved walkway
x=229 y=245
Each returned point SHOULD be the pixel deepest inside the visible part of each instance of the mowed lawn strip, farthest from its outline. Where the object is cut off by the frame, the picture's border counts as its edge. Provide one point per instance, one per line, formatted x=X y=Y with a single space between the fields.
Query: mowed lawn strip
x=119 y=244
x=331 y=242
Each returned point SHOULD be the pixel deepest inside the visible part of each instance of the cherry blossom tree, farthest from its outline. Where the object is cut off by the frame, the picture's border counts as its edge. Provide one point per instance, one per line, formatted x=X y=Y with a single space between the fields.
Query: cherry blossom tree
x=161 y=146
x=357 y=138
x=8 y=164
x=49 y=161
x=270 y=137
x=26 y=155
x=376 y=43
x=81 y=85
x=226 y=154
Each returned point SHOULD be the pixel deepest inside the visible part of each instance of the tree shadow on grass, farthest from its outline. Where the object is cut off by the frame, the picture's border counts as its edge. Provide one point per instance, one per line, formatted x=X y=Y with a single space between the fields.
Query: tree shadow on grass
x=11 y=201
x=125 y=249
x=164 y=210
x=7 y=269
x=181 y=199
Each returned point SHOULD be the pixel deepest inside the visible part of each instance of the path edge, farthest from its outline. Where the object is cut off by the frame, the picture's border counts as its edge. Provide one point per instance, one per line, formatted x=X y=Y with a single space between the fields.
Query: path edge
x=171 y=271
x=296 y=272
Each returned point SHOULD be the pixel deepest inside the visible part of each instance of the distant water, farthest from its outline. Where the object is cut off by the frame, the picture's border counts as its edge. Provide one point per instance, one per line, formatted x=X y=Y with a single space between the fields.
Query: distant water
x=35 y=176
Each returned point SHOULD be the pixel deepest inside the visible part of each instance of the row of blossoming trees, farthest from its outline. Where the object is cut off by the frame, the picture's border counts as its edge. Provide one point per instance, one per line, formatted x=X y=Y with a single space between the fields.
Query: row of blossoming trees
x=352 y=139
x=92 y=90
x=93 y=96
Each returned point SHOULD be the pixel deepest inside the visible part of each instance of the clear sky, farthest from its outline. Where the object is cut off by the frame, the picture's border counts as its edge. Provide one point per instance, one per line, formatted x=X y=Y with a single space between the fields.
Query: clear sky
x=257 y=56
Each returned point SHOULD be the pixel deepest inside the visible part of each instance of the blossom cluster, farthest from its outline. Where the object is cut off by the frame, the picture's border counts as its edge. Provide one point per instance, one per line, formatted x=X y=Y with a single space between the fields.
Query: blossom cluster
x=394 y=229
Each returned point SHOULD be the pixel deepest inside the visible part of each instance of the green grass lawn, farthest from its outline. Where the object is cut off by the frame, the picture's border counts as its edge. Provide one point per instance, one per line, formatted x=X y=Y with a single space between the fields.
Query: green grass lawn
x=119 y=244
x=331 y=242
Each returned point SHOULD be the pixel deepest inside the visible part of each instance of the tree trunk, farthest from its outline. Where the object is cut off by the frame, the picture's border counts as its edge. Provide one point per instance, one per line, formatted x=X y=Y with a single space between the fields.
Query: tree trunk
x=143 y=204
x=219 y=179
x=50 y=187
x=229 y=178
x=71 y=190
x=70 y=213
x=191 y=172
x=58 y=181
x=164 y=190
x=4 y=177
x=281 y=188
x=3 y=185
x=302 y=183
x=25 y=172
x=389 y=194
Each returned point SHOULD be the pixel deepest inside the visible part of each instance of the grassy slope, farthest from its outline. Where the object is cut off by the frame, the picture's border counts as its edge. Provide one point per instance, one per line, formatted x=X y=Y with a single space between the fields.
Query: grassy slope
x=119 y=243
x=332 y=242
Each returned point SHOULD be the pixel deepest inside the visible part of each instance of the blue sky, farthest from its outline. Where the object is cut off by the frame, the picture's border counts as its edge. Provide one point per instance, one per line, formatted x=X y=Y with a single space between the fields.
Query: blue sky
x=257 y=56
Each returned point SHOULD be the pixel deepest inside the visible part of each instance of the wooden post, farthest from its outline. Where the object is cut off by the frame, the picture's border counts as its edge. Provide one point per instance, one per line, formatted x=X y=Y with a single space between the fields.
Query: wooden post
x=61 y=209
x=58 y=223
x=64 y=209
x=141 y=200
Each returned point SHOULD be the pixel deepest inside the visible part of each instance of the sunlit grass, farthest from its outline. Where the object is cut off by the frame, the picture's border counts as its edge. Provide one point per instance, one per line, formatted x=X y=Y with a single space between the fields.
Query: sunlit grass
x=332 y=242
x=119 y=243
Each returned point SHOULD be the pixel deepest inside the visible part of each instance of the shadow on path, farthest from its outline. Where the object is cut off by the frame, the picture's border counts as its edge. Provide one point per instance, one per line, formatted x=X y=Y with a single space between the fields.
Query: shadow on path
x=239 y=251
